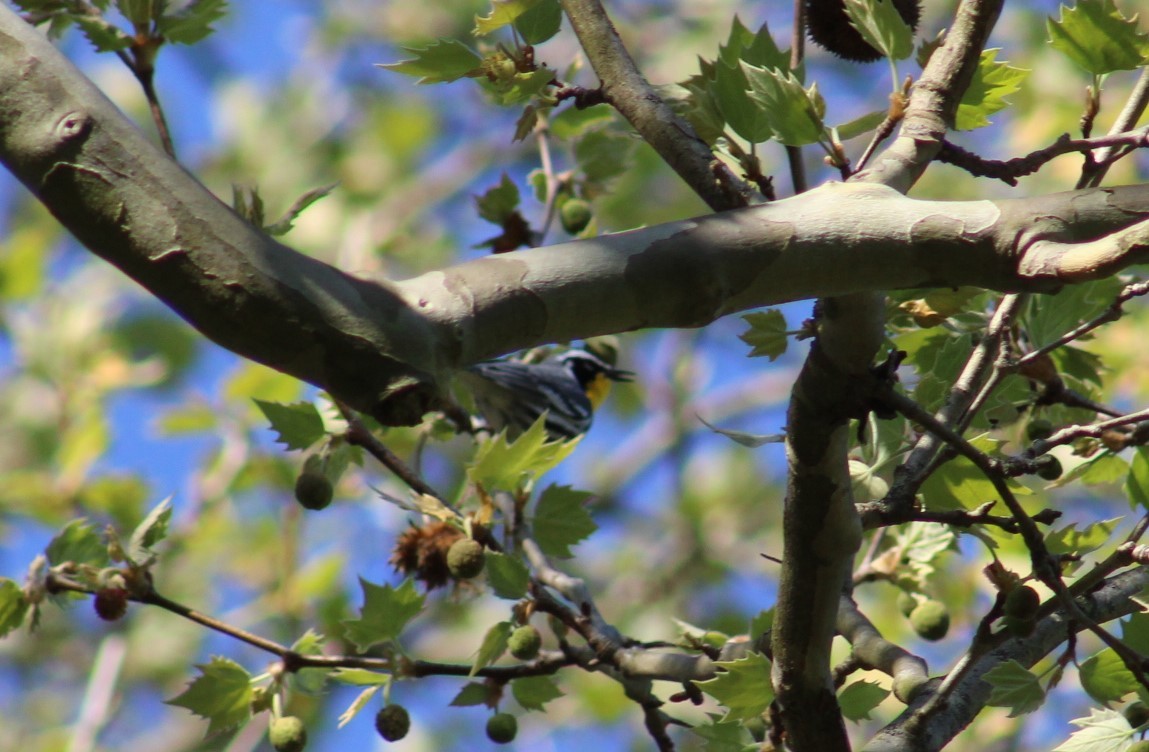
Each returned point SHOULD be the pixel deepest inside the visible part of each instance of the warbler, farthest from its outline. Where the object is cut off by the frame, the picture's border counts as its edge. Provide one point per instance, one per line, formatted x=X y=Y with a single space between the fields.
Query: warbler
x=568 y=387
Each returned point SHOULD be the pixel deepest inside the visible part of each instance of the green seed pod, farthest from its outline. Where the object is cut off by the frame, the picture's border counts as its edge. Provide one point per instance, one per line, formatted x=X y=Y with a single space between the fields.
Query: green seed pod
x=930 y=619
x=312 y=488
x=465 y=558
x=1022 y=603
x=287 y=734
x=393 y=722
x=502 y=728
x=1138 y=746
x=1050 y=468
x=906 y=602
x=524 y=642
x=575 y=215
x=1136 y=713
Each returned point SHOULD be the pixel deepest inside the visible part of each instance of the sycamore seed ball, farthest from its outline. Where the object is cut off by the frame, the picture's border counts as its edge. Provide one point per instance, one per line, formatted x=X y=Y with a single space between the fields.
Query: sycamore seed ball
x=465 y=558
x=392 y=722
x=313 y=490
x=1022 y=602
x=1138 y=746
x=1136 y=713
x=575 y=215
x=524 y=642
x=502 y=728
x=930 y=619
x=287 y=734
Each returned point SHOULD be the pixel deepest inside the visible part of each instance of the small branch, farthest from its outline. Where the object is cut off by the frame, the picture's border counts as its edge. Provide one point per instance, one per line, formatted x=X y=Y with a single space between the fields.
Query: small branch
x=1129 y=116
x=1010 y=170
x=874 y=651
x=1114 y=312
x=359 y=435
x=625 y=88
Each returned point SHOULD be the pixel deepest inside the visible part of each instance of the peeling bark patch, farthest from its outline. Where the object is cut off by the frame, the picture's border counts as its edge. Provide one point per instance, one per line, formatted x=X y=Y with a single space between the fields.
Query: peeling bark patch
x=497 y=286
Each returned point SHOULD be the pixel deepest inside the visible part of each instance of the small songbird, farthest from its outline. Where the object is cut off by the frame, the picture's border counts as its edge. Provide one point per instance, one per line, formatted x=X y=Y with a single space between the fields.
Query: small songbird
x=568 y=387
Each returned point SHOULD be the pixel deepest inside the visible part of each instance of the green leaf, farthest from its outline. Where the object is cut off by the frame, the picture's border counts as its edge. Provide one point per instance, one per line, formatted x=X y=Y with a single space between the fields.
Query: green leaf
x=992 y=83
x=1137 y=482
x=1103 y=731
x=299 y=425
x=192 y=22
x=1105 y=677
x=519 y=87
x=859 y=698
x=222 y=693
x=503 y=13
x=1096 y=36
x=746 y=116
x=760 y=623
x=507 y=576
x=744 y=687
x=1070 y=540
x=795 y=114
x=498 y=202
x=152 y=530
x=104 y=36
x=386 y=611
x=13 y=606
x=534 y=692
x=444 y=61
x=1135 y=632
x=500 y=464
x=472 y=693
x=860 y=125
x=310 y=680
x=958 y=484
x=767 y=333
x=602 y=156
x=880 y=24
x=360 y=677
x=755 y=48
x=79 y=543
x=1014 y=687
x=493 y=647
x=541 y=22
x=922 y=544
x=723 y=736
x=561 y=520
x=357 y=705
x=1048 y=317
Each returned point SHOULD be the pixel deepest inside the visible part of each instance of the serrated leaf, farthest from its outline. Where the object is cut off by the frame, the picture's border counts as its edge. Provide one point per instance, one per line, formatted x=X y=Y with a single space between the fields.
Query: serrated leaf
x=1070 y=540
x=310 y=680
x=385 y=612
x=357 y=705
x=793 y=112
x=503 y=12
x=498 y=202
x=959 y=484
x=602 y=156
x=534 y=692
x=859 y=698
x=760 y=623
x=1096 y=36
x=78 y=542
x=13 y=606
x=745 y=116
x=500 y=464
x=222 y=693
x=541 y=22
x=192 y=22
x=472 y=693
x=360 y=677
x=561 y=520
x=520 y=86
x=104 y=36
x=1048 y=317
x=880 y=24
x=283 y=225
x=992 y=83
x=493 y=647
x=1105 y=677
x=720 y=736
x=1137 y=482
x=1014 y=687
x=299 y=425
x=152 y=530
x=507 y=576
x=139 y=12
x=443 y=61
x=766 y=335
x=744 y=687
x=920 y=544
x=1103 y=731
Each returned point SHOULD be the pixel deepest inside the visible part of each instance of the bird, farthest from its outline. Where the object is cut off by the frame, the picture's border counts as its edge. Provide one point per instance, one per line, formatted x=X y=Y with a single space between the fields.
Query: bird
x=568 y=387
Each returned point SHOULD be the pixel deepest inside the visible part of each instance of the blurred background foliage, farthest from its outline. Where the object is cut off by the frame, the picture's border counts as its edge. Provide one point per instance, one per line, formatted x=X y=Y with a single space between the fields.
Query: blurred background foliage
x=110 y=403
